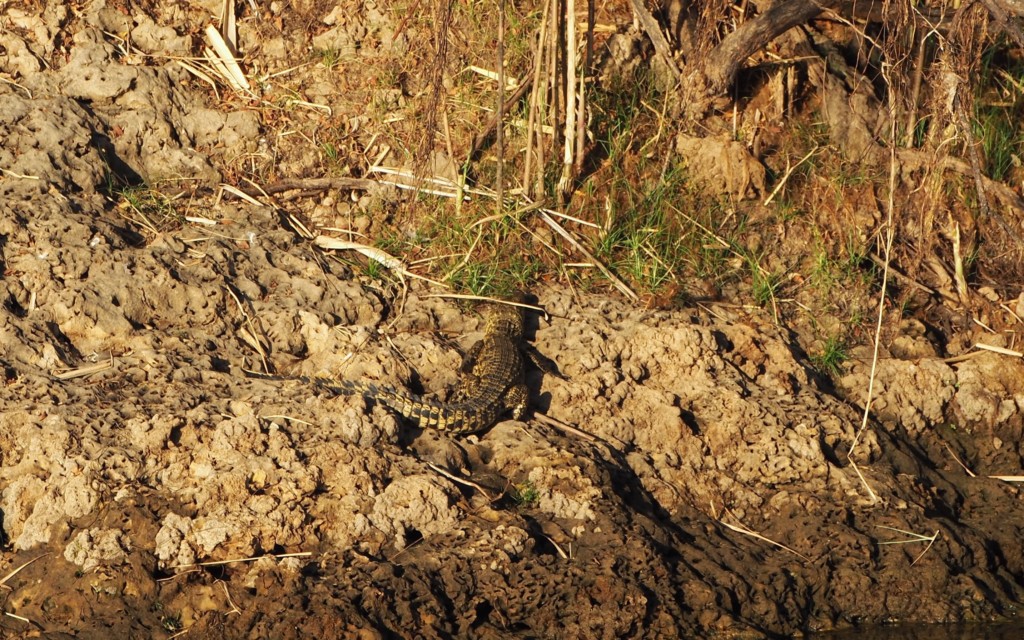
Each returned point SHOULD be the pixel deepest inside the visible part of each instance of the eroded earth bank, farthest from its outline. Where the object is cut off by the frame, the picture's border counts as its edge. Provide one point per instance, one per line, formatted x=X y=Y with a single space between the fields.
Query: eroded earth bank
x=715 y=494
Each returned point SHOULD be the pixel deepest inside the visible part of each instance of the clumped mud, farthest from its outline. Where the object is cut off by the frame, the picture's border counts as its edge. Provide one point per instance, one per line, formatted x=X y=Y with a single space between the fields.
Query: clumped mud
x=714 y=496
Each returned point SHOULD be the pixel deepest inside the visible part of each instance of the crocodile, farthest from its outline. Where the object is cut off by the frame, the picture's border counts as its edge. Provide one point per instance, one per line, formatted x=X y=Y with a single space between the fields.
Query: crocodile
x=492 y=381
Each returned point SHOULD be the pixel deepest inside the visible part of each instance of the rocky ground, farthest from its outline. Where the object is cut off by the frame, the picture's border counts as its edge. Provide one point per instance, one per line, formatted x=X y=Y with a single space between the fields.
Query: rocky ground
x=149 y=488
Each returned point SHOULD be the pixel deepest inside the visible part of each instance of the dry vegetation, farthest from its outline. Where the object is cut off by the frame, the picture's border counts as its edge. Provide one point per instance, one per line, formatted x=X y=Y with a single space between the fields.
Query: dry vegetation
x=669 y=162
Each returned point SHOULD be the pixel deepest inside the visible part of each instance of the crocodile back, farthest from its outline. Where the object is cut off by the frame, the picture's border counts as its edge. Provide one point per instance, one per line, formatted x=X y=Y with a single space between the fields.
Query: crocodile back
x=493 y=381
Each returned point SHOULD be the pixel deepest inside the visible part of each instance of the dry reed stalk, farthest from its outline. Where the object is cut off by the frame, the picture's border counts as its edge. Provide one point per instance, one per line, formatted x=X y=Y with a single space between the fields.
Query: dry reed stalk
x=534 y=145
x=914 y=537
x=17 y=570
x=753 y=534
x=588 y=63
x=218 y=563
x=966 y=470
x=571 y=103
x=456 y=479
x=1000 y=350
x=467 y=296
x=615 y=280
x=11 y=574
x=499 y=132
x=555 y=71
x=81 y=372
x=890 y=234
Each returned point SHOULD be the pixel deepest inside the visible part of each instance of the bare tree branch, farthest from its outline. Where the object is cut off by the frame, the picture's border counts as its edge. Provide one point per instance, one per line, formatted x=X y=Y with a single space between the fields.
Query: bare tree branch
x=724 y=61
x=1002 y=12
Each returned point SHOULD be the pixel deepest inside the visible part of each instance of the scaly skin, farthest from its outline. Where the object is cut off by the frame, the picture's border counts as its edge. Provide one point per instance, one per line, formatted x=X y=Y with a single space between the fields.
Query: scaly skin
x=492 y=384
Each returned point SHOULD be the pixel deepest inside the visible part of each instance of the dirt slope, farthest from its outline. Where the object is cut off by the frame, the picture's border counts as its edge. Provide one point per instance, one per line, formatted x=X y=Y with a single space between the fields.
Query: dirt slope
x=117 y=483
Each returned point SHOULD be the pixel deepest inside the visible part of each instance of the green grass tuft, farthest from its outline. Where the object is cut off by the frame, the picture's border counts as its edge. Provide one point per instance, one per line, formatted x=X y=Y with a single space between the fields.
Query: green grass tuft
x=831 y=357
x=525 y=494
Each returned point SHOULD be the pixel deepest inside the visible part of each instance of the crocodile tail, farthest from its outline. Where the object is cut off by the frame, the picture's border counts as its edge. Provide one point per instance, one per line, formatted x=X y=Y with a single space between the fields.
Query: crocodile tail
x=365 y=389
x=427 y=414
x=384 y=394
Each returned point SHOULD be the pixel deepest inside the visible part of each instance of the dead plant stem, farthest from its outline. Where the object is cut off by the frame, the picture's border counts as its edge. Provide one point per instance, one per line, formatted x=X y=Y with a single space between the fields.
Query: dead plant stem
x=973 y=153
x=554 y=75
x=499 y=132
x=886 y=258
x=533 y=135
x=915 y=87
x=588 y=61
x=571 y=103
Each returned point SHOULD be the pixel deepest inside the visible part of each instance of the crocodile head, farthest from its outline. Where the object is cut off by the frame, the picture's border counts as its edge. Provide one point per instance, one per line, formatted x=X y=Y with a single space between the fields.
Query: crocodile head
x=503 y=320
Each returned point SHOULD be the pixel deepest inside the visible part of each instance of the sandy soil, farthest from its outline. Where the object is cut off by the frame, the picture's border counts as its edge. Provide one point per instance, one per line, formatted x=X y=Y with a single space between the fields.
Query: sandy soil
x=716 y=495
